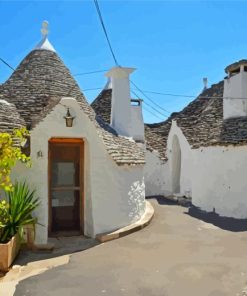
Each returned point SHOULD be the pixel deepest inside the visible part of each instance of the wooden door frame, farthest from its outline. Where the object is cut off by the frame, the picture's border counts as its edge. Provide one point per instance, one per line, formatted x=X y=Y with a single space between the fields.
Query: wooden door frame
x=70 y=142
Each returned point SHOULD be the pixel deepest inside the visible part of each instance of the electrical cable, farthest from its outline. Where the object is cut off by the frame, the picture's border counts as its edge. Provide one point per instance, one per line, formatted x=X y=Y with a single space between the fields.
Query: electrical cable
x=89 y=89
x=105 y=32
x=149 y=106
x=7 y=64
x=148 y=98
x=167 y=94
x=91 y=72
x=152 y=113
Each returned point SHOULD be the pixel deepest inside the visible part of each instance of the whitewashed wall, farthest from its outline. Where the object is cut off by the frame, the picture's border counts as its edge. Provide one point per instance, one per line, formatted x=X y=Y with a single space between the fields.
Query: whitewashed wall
x=114 y=196
x=186 y=160
x=156 y=173
x=137 y=123
x=235 y=93
x=159 y=174
x=219 y=180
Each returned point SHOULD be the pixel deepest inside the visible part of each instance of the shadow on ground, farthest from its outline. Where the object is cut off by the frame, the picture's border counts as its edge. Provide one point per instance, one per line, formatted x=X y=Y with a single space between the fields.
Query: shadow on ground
x=62 y=246
x=226 y=223
x=162 y=200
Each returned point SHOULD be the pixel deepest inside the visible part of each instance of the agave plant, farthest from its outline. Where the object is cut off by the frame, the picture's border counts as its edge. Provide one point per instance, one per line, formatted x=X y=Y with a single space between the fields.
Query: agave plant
x=21 y=203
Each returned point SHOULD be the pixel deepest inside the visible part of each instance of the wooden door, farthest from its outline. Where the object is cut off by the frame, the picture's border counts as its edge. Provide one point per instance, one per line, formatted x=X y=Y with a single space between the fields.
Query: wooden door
x=65 y=186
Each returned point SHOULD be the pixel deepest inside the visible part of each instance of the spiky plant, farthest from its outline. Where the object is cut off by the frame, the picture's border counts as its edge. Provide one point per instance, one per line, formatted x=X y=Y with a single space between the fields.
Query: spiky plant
x=22 y=202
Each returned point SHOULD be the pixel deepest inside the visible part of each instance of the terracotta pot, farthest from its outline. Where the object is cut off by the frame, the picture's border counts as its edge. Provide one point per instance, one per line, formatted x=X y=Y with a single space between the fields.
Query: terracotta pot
x=8 y=252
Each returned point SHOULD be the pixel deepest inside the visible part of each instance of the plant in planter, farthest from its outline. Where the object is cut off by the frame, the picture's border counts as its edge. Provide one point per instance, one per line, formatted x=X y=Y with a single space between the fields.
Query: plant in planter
x=21 y=204
x=16 y=213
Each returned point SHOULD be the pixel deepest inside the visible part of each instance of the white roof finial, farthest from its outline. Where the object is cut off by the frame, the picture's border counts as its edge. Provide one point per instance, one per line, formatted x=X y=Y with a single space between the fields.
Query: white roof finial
x=45 y=29
x=44 y=43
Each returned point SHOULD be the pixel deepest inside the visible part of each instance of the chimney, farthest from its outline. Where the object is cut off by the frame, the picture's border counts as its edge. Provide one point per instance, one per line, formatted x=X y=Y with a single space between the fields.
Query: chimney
x=235 y=90
x=126 y=113
x=121 y=104
x=205 y=83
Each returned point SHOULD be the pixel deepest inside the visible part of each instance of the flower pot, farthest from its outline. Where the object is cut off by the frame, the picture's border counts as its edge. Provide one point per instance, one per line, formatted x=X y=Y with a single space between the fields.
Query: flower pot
x=8 y=252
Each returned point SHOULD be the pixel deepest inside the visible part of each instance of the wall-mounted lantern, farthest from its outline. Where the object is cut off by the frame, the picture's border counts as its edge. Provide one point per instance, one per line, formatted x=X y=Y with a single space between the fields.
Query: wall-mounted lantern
x=69 y=119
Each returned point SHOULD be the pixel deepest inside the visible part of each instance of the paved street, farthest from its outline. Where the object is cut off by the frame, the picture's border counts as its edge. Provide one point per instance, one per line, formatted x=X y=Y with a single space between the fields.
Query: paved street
x=175 y=255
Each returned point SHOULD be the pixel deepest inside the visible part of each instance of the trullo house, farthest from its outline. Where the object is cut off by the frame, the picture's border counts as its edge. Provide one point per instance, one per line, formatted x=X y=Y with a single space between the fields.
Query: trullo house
x=200 y=152
x=89 y=175
x=92 y=166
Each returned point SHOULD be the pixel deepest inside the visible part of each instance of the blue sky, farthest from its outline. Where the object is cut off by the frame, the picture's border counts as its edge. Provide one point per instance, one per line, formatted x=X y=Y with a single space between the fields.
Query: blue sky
x=173 y=44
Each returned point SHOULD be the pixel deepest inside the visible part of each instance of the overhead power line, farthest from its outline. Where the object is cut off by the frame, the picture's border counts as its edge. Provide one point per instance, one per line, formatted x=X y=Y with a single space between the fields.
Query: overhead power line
x=7 y=64
x=115 y=60
x=148 y=98
x=135 y=94
x=167 y=94
x=91 y=72
x=89 y=89
x=142 y=91
x=152 y=113
x=156 y=110
x=105 y=32
x=149 y=105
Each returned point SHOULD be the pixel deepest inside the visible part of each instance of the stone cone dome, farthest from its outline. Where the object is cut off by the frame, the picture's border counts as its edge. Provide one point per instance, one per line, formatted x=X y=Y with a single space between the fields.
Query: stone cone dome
x=9 y=117
x=40 y=78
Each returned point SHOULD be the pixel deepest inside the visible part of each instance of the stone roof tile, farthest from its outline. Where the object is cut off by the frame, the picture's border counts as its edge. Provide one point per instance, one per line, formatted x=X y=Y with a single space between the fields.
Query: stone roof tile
x=9 y=117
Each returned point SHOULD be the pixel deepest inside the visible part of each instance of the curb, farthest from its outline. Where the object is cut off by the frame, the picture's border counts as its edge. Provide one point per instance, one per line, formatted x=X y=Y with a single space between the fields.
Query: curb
x=143 y=222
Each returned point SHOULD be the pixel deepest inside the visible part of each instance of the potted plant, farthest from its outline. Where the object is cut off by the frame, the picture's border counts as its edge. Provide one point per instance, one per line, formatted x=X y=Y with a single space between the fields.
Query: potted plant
x=12 y=217
x=15 y=214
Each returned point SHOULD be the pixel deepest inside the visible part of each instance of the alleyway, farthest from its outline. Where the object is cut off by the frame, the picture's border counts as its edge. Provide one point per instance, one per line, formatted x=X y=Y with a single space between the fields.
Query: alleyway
x=175 y=255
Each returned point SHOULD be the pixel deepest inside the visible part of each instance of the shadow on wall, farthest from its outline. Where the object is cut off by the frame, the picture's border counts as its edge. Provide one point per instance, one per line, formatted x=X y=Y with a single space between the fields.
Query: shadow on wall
x=226 y=223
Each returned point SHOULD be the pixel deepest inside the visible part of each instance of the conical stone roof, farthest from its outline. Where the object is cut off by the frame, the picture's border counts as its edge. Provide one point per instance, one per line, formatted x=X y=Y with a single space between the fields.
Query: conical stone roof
x=37 y=85
x=102 y=105
x=41 y=76
x=9 y=117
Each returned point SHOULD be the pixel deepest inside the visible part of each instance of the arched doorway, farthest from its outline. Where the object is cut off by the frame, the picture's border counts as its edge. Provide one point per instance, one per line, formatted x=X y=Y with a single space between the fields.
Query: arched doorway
x=176 y=165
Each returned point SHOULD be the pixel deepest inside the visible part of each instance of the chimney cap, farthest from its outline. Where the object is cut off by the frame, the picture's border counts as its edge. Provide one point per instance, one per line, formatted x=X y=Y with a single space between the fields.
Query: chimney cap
x=235 y=65
x=119 y=72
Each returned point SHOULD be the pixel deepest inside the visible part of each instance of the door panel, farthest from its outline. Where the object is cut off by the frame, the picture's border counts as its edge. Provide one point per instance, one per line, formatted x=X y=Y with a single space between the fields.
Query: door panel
x=66 y=175
x=65 y=210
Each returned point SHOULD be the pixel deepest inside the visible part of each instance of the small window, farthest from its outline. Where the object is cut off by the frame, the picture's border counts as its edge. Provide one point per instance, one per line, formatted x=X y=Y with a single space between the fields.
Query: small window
x=245 y=68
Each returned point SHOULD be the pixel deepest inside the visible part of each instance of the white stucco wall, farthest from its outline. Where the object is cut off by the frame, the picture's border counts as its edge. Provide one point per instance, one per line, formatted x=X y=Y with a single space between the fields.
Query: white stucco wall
x=156 y=173
x=219 y=180
x=137 y=123
x=159 y=175
x=235 y=94
x=114 y=195
x=186 y=160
